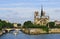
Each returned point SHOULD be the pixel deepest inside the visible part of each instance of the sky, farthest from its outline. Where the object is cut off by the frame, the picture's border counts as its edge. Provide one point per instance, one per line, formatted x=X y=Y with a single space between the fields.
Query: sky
x=19 y=11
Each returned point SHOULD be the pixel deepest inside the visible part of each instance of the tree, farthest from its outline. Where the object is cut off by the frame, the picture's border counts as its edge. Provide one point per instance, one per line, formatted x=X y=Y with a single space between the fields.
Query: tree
x=28 y=24
x=6 y=25
x=0 y=20
x=51 y=24
x=1 y=25
x=9 y=25
x=19 y=24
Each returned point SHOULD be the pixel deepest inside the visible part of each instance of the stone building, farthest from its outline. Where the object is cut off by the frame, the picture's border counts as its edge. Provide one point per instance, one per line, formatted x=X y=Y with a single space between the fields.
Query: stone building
x=41 y=19
x=15 y=24
x=57 y=23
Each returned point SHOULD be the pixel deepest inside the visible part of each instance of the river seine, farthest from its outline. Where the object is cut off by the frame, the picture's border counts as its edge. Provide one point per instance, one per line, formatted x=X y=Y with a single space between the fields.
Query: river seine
x=20 y=35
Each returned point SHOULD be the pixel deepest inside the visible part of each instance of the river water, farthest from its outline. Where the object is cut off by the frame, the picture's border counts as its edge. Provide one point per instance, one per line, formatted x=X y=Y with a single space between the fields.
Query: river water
x=21 y=35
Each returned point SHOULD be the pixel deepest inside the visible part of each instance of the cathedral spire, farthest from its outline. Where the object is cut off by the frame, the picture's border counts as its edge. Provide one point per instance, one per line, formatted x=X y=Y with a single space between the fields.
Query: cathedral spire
x=42 y=11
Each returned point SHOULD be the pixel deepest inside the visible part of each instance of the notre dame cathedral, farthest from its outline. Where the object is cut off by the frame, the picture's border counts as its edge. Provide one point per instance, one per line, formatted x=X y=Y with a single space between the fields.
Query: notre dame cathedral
x=41 y=19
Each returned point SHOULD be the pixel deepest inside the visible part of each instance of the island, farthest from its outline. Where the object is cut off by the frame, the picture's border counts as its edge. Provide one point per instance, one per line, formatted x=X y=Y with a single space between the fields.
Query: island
x=40 y=25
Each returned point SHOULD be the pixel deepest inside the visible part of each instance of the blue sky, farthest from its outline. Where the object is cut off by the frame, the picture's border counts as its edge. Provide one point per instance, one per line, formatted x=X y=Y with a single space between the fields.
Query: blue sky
x=23 y=10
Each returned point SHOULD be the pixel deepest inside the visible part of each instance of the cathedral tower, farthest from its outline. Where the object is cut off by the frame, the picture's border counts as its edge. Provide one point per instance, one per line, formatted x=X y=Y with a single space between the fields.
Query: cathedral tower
x=42 y=12
x=36 y=16
x=42 y=19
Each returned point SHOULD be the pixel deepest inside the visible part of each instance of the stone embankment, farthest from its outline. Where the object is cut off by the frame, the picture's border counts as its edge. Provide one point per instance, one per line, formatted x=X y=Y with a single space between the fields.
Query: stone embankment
x=41 y=31
x=1 y=32
x=34 y=31
x=54 y=30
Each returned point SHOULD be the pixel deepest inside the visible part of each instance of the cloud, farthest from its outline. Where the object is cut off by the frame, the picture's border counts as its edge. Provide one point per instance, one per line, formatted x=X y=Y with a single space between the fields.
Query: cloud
x=23 y=10
x=16 y=14
x=21 y=15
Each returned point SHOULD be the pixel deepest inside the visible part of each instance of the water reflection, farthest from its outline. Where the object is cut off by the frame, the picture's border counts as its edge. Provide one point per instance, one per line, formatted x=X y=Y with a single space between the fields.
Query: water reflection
x=15 y=32
x=21 y=35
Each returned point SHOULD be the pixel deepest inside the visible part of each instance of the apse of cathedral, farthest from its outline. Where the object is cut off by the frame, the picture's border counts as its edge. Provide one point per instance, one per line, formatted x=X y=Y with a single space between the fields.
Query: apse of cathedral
x=41 y=19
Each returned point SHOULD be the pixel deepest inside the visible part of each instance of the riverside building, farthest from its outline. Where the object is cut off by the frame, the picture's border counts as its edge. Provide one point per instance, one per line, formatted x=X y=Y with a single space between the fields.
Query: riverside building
x=41 y=19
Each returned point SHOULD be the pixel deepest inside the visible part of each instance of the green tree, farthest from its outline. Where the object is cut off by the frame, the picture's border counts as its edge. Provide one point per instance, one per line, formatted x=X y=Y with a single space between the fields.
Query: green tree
x=51 y=24
x=19 y=24
x=6 y=25
x=28 y=24
x=0 y=20
x=1 y=25
x=9 y=25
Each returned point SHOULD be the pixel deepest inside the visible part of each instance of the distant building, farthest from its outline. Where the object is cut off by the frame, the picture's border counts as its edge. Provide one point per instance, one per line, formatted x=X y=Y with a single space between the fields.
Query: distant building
x=42 y=19
x=15 y=24
x=6 y=21
x=57 y=23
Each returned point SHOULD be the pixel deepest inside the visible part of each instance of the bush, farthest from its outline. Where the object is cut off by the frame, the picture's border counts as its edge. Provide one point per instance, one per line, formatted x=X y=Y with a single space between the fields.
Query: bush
x=51 y=24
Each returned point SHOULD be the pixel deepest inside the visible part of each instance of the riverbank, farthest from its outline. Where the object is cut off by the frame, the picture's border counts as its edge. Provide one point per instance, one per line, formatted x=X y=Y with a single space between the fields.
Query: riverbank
x=34 y=31
x=1 y=32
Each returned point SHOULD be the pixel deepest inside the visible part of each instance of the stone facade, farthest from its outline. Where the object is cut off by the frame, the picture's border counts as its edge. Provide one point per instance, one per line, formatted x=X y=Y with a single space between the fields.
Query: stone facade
x=54 y=30
x=15 y=25
x=42 y=19
x=57 y=23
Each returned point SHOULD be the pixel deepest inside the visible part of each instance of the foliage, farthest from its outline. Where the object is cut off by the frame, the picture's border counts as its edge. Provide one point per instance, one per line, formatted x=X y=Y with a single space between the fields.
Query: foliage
x=51 y=24
x=18 y=24
x=3 y=24
x=29 y=24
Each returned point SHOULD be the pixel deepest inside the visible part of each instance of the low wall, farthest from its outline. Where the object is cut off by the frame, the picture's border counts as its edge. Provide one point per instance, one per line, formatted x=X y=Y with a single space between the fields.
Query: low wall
x=54 y=30
x=34 y=31
x=1 y=32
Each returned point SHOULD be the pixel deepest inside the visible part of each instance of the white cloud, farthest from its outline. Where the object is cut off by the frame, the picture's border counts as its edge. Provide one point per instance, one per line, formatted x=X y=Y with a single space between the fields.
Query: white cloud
x=24 y=14
x=14 y=14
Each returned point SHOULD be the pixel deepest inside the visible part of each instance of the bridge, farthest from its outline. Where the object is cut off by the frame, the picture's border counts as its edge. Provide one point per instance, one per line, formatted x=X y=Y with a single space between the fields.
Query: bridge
x=10 y=29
